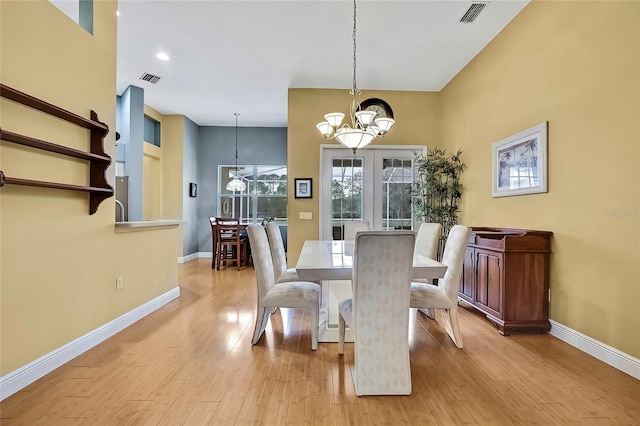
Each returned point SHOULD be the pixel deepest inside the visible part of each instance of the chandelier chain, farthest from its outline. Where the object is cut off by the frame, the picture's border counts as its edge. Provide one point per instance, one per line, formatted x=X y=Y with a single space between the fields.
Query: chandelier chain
x=354 y=49
x=236 y=114
x=236 y=184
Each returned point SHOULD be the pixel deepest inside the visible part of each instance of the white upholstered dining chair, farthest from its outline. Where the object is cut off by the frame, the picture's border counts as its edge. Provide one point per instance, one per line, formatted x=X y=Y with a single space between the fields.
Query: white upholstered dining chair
x=427 y=239
x=427 y=245
x=282 y=274
x=351 y=228
x=294 y=294
x=444 y=296
x=378 y=313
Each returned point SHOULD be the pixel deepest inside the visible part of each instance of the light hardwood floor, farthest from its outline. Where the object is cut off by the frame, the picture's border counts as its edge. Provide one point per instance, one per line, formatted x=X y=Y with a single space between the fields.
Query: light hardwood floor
x=191 y=362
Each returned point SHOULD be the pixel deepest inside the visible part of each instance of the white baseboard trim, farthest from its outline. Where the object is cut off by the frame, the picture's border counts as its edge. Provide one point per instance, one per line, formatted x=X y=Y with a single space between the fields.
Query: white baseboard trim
x=27 y=374
x=188 y=258
x=193 y=256
x=605 y=353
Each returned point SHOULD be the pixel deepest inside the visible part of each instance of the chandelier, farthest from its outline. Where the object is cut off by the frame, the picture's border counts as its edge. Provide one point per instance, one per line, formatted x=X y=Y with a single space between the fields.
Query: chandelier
x=236 y=185
x=365 y=127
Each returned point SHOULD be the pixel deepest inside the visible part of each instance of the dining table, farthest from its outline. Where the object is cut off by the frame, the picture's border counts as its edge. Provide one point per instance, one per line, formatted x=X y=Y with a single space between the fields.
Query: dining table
x=330 y=262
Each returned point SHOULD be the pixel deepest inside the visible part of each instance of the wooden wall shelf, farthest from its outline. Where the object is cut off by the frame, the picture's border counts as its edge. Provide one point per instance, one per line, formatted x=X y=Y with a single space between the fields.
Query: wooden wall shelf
x=98 y=188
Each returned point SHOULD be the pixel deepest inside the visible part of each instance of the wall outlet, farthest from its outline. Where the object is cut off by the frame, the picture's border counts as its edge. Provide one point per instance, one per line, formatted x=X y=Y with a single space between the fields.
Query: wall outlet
x=306 y=215
x=119 y=283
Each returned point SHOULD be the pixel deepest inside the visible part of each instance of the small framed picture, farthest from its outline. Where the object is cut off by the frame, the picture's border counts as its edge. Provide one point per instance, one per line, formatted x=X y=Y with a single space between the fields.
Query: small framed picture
x=193 y=189
x=303 y=188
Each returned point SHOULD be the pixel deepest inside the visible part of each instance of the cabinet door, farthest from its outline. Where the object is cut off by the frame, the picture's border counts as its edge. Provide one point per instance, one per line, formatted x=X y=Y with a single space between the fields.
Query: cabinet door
x=466 y=281
x=489 y=278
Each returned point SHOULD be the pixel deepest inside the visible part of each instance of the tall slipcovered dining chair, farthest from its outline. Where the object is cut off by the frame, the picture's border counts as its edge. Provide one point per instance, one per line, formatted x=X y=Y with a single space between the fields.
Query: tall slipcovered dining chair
x=378 y=313
x=294 y=294
x=351 y=228
x=427 y=244
x=279 y=256
x=427 y=239
x=444 y=296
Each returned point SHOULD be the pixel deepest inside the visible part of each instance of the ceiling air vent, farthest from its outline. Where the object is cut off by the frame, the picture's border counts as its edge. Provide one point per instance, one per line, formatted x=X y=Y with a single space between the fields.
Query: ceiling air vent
x=472 y=13
x=153 y=79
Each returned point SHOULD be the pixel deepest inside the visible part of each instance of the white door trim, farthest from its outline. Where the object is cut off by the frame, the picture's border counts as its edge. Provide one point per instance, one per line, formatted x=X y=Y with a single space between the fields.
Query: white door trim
x=321 y=208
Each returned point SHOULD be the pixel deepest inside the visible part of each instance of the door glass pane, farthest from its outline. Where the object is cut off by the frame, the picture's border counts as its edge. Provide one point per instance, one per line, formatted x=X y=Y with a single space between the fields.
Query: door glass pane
x=397 y=176
x=346 y=192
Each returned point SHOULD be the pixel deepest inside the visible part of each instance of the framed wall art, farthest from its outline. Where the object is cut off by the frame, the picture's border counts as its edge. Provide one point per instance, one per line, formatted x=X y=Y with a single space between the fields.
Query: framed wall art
x=303 y=188
x=519 y=163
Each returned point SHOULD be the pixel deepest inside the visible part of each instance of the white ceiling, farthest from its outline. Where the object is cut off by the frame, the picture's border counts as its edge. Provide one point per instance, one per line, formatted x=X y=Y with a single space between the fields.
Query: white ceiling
x=242 y=56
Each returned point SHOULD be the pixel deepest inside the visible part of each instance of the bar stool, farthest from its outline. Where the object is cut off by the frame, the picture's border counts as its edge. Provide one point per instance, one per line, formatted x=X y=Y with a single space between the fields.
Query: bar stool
x=231 y=243
x=214 y=241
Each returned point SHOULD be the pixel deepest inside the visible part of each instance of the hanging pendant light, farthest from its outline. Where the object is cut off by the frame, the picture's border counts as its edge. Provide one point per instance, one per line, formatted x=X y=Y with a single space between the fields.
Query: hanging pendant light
x=365 y=127
x=236 y=185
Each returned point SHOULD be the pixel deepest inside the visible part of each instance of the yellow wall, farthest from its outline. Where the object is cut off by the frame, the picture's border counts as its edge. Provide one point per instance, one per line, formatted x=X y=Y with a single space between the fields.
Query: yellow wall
x=152 y=166
x=163 y=169
x=577 y=66
x=152 y=180
x=58 y=264
x=417 y=117
x=173 y=134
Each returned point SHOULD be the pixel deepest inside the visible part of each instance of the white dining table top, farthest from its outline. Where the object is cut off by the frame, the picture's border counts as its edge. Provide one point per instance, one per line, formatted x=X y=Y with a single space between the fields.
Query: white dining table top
x=333 y=260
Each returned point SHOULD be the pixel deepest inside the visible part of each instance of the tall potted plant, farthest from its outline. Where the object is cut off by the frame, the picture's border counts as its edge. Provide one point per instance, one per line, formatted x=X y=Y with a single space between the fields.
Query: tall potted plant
x=436 y=192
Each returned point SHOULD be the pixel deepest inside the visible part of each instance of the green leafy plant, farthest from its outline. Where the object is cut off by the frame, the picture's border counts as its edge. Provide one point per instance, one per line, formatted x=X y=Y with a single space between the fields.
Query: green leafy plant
x=436 y=192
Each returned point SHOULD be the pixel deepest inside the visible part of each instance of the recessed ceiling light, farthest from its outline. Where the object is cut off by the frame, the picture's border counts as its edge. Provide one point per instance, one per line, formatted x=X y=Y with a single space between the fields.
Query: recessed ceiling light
x=162 y=56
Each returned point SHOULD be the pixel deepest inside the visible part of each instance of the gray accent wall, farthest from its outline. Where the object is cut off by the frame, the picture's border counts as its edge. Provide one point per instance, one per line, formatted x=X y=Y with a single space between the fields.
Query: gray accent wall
x=86 y=15
x=256 y=145
x=131 y=136
x=190 y=175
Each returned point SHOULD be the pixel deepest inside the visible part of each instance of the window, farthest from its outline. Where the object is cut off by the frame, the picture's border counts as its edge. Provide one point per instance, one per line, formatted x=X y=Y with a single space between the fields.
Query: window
x=151 y=131
x=264 y=198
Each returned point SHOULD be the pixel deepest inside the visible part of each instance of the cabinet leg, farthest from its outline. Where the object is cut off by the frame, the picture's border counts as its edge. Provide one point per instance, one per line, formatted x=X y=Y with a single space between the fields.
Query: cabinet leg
x=500 y=327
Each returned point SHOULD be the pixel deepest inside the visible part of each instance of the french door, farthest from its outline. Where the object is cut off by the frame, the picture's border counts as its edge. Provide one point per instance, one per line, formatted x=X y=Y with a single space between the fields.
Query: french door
x=372 y=185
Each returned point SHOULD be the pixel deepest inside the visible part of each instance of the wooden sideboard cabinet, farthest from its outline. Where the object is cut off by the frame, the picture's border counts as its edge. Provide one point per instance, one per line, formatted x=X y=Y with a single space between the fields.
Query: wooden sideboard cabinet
x=506 y=276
